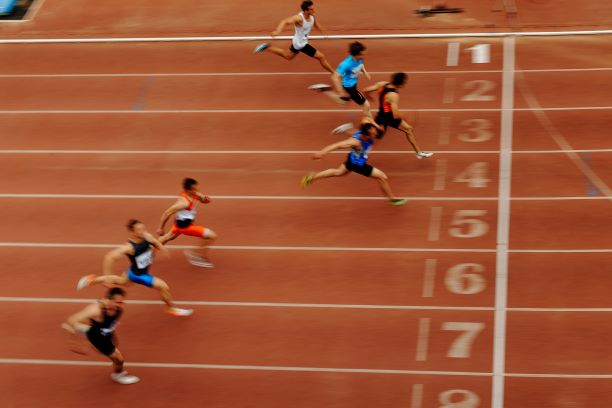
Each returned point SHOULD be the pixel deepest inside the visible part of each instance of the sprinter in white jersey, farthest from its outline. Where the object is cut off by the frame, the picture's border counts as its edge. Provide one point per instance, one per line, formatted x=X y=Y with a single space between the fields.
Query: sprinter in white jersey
x=303 y=23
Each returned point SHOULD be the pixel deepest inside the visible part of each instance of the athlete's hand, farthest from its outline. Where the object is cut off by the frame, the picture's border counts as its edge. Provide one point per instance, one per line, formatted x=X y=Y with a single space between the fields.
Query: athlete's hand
x=206 y=199
x=275 y=33
x=368 y=76
x=317 y=156
x=160 y=232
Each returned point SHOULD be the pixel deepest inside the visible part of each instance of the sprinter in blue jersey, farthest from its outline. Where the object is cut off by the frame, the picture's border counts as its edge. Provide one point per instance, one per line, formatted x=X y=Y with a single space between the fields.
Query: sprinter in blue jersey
x=360 y=144
x=345 y=78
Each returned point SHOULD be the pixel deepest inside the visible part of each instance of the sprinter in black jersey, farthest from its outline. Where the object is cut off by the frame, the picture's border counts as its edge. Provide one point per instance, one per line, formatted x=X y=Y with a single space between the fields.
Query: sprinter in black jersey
x=139 y=250
x=97 y=322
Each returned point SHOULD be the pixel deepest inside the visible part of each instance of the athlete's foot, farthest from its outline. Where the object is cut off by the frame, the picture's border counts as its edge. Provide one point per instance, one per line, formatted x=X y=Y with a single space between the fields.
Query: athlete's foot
x=320 y=87
x=176 y=311
x=85 y=281
x=397 y=201
x=261 y=48
x=124 y=378
x=345 y=127
x=307 y=180
x=423 y=154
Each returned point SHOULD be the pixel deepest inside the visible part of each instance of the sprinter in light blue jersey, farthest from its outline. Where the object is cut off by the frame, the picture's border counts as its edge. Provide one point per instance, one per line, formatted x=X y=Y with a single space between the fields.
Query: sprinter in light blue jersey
x=360 y=144
x=345 y=78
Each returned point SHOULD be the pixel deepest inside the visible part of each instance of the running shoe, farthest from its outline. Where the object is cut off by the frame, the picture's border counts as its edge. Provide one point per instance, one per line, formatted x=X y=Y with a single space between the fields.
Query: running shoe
x=176 y=311
x=85 y=281
x=320 y=87
x=198 y=260
x=397 y=201
x=261 y=48
x=307 y=180
x=423 y=155
x=345 y=127
x=124 y=378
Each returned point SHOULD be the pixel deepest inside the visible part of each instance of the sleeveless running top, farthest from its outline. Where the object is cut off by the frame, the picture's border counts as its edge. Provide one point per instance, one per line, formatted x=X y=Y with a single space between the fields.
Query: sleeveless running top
x=359 y=155
x=300 y=38
x=108 y=323
x=185 y=217
x=142 y=258
x=384 y=108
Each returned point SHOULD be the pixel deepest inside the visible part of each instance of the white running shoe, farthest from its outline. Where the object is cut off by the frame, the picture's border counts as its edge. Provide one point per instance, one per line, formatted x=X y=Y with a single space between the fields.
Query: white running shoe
x=198 y=260
x=176 y=311
x=423 y=155
x=85 y=281
x=320 y=87
x=345 y=127
x=124 y=378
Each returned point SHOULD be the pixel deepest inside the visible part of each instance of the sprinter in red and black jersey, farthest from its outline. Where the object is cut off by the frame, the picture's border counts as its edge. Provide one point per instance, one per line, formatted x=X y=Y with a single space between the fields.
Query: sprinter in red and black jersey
x=184 y=211
x=389 y=113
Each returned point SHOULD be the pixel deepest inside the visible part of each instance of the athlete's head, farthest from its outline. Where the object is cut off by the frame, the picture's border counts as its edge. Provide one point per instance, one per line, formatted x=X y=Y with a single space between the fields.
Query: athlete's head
x=368 y=130
x=399 y=79
x=190 y=184
x=307 y=7
x=357 y=49
x=137 y=228
x=115 y=297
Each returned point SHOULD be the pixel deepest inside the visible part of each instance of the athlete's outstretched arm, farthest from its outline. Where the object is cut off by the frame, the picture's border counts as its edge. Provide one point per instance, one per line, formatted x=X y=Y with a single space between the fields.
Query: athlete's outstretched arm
x=289 y=20
x=158 y=245
x=75 y=323
x=180 y=204
x=114 y=255
x=374 y=87
x=343 y=144
x=204 y=199
x=365 y=73
x=319 y=27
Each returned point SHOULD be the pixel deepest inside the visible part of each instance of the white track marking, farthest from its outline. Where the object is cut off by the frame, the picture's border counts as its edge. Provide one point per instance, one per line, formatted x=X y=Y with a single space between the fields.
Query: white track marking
x=417 y=396
x=440 y=175
x=449 y=90
x=503 y=226
x=429 y=277
x=274 y=111
x=423 y=339
x=314 y=37
x=452 y=54
x=289 y=368
x=20 y=299
x=281 y=152
x=434 y=224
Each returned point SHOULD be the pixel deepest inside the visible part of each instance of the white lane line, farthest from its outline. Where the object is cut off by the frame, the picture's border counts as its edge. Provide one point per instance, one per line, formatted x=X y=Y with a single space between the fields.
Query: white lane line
x=294 y=73
x=440 y=174
x=314 y=37
x=503 y=226
x=238 y=111
x=27 y=361
x=307 y=248
x=282 y=152
x=249 y=247
x=18 y=299
x=449 y=90
x=241 y=367
x=21 y=299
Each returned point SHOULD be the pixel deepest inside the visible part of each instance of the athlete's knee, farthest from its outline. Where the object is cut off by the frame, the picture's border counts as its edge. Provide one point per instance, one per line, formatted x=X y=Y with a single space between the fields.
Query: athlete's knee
x=210 y=234
x=319 y=55
x=161 y=285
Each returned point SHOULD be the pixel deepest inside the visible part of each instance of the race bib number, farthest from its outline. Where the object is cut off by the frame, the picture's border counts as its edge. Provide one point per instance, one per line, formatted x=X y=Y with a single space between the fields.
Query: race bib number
x=145 y=259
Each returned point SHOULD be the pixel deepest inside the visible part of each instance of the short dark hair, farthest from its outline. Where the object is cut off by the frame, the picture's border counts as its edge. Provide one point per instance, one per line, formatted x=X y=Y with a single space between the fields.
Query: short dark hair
x=306 y=4
x=399 y=78
x=130 y=224
x=365 y=128
x=188 y=183
x=356 y=48
x=114 y=292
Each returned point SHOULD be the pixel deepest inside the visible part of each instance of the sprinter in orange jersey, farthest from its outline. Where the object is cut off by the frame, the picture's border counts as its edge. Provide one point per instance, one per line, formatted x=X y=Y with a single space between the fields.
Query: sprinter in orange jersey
x=185 y=210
